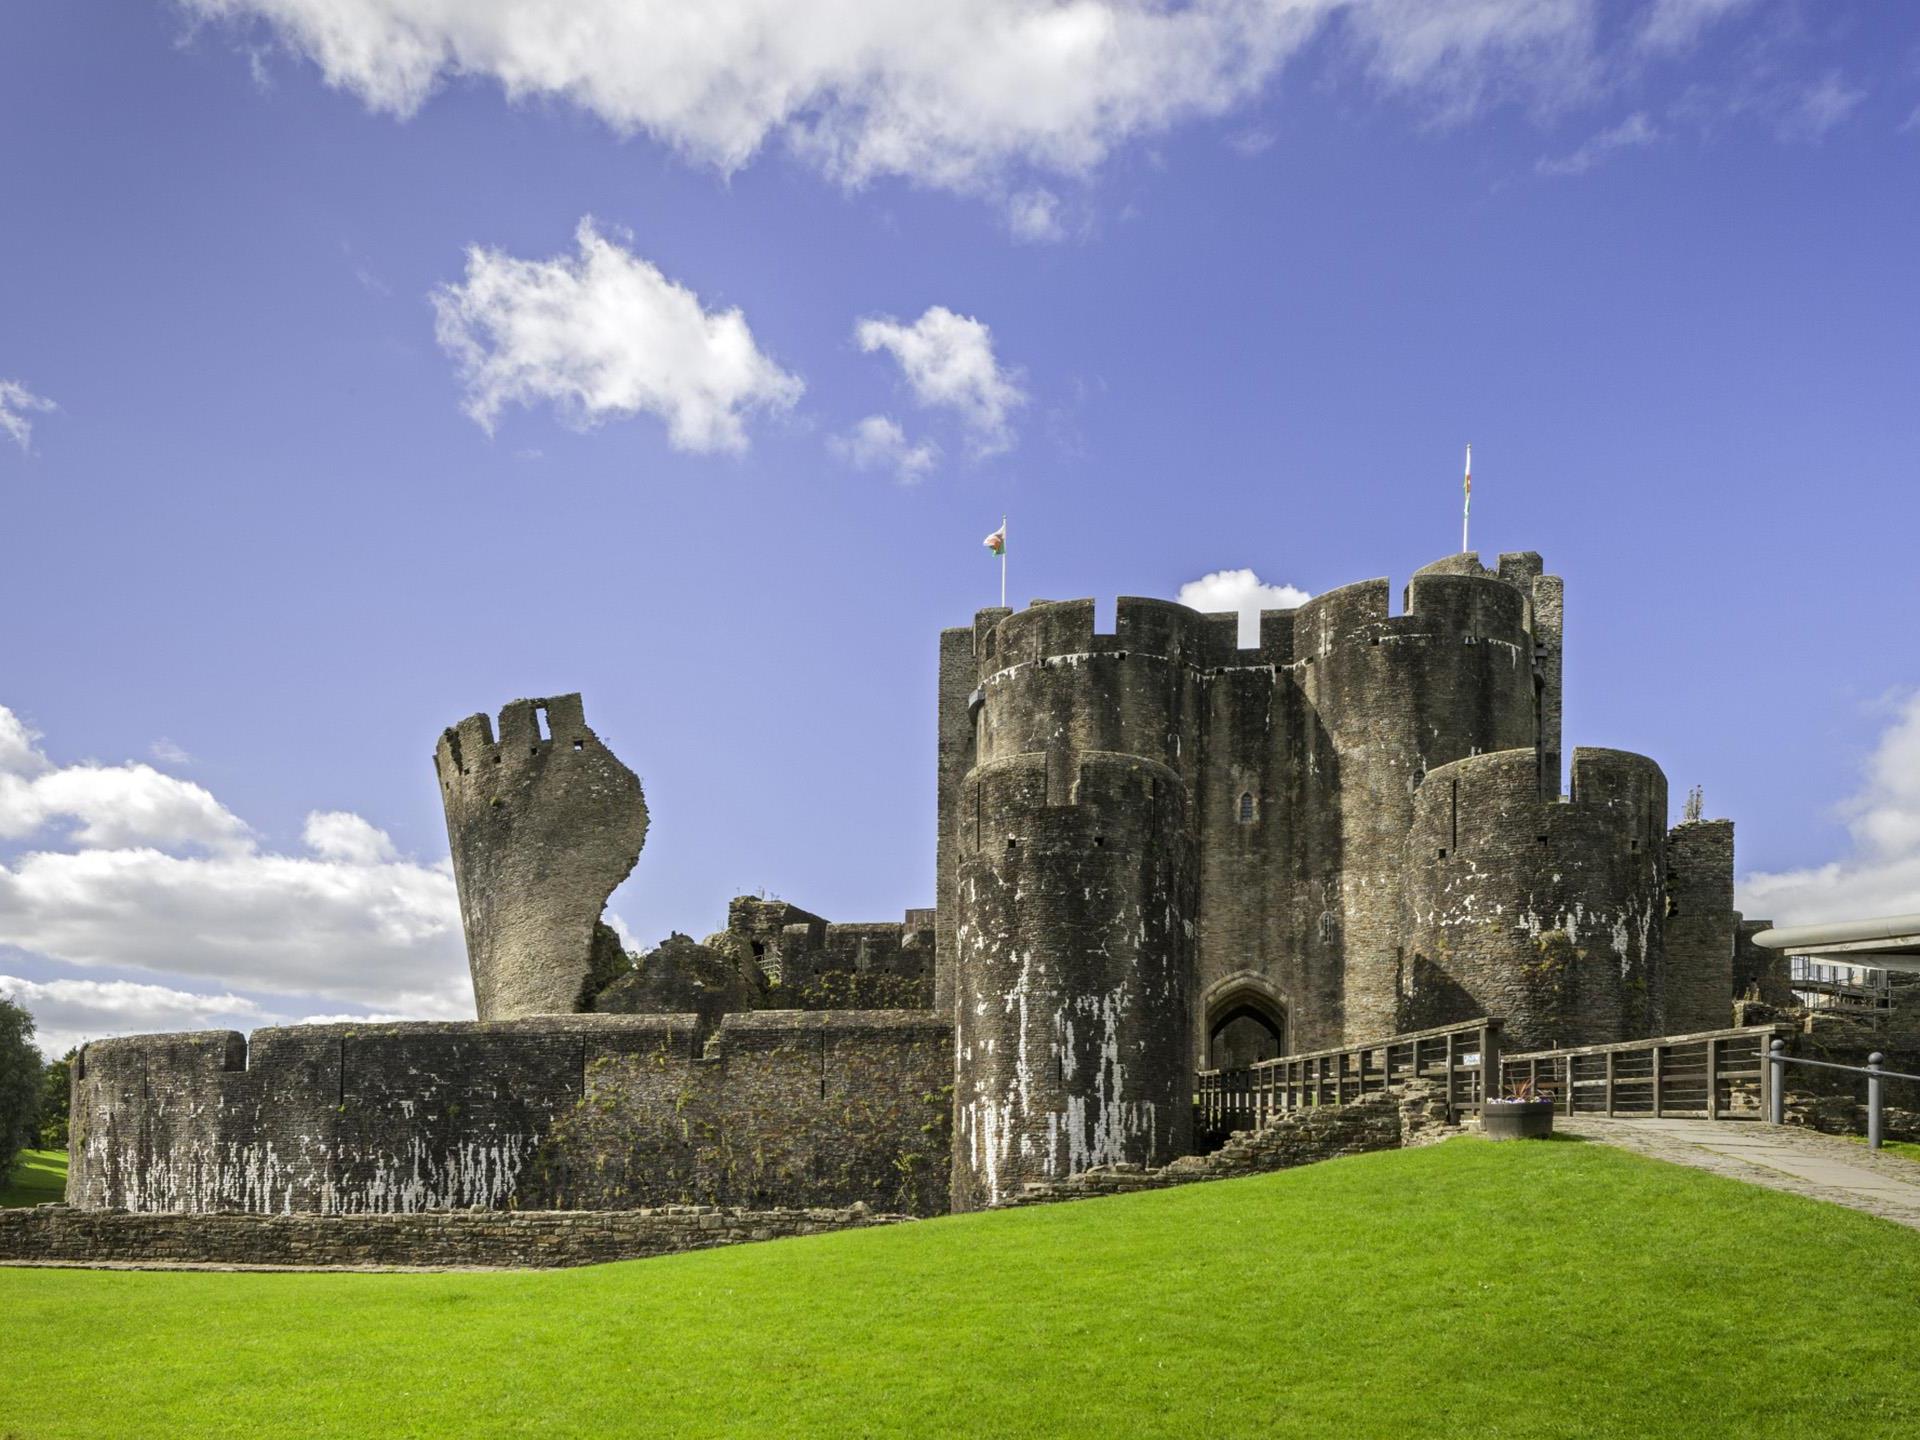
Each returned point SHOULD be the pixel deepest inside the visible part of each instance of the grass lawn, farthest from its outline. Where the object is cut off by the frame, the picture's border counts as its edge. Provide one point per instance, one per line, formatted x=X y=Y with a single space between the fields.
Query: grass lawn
x=38 y=1176
x=1468 y=1289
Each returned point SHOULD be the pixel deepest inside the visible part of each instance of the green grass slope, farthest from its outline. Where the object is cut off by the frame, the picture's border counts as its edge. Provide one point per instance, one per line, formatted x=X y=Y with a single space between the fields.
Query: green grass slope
x=1468 y=1289
x=38 y=1176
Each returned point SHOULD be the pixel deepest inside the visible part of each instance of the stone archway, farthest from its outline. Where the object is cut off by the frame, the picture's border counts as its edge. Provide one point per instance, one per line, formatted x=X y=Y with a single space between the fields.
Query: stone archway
x=1246 y=1020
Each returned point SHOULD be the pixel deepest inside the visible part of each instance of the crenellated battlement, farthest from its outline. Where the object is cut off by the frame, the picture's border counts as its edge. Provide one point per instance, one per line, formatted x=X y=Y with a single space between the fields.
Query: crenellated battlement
x=1056 y=629
x=1613 y=791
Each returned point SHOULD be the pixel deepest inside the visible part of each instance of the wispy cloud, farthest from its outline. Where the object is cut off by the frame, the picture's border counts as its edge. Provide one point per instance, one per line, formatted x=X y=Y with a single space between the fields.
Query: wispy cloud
x=1667 y=26
x=1634 y=131
x=17 y=403
x=1034 y=215
x=1818 y=108
x=878 y=443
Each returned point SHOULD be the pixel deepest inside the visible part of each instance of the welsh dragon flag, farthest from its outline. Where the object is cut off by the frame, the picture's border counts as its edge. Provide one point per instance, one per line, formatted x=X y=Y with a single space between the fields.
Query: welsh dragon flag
x=997 y=541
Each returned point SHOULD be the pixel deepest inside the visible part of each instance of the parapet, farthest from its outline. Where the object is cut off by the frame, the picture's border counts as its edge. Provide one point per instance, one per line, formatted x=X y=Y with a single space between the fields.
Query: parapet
x=1057 y=629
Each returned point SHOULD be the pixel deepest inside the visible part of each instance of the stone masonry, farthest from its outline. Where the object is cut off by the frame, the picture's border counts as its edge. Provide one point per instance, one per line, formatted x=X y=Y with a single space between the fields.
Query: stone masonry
x=543 y=827
x=1155 y=849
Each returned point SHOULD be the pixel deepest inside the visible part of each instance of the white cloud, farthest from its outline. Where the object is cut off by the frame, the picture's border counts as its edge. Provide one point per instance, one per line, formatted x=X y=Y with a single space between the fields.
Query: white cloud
x=1034 y=215
x=1882 y=874
x=16 y=404
x=948 y=363
x=69 y=1012
x=341 y=835
x=605 y=335
x=954 y=95
x=110 y=805
x=1243 y=592
x=1672 y=25
x=1633 y=131
x=367 y=933
x=20 y=747
x=878 y=443
x=350 y=920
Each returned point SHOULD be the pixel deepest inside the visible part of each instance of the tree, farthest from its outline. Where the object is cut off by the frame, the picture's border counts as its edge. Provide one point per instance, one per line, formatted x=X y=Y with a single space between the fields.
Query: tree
x=55 y=1096
x=20 y=1069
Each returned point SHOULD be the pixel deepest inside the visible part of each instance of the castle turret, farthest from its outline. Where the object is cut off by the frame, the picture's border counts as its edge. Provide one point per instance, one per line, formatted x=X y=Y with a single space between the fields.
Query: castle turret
x=1544 y=912
x=1074 y=884
x=1397 y=697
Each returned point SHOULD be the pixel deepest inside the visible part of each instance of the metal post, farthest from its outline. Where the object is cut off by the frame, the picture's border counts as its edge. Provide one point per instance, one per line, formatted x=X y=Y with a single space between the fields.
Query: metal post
x=1713 y=1079
x=1874 y=1083
x=1658 y=1080
x=1773 y=1081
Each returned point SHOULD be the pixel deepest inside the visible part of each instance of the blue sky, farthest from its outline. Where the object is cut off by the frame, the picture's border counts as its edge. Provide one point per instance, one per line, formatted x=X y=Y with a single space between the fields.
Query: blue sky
x=321 y=428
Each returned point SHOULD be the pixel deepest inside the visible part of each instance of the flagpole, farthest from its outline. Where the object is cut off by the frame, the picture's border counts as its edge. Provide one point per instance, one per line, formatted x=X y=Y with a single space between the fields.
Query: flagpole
x=1003 y=562
x=1466 y=508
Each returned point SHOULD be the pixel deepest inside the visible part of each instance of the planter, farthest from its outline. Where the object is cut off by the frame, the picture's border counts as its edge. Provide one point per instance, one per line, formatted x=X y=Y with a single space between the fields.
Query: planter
x=1517 y=1119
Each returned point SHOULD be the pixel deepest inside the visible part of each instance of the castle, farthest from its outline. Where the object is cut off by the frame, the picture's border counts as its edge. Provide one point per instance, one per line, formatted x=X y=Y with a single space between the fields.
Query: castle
x=1159 y=851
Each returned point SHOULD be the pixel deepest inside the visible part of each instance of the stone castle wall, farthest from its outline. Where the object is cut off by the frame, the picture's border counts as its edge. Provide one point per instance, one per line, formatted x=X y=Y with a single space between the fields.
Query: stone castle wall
x=798 y=1109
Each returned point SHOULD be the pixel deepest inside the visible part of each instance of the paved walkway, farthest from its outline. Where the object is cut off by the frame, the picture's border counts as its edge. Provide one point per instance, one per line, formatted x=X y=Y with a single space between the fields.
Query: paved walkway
x=1805 y=1162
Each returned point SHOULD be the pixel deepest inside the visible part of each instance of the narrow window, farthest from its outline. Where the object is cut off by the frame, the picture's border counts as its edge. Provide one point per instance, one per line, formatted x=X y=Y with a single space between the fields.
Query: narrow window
x=1246 y=807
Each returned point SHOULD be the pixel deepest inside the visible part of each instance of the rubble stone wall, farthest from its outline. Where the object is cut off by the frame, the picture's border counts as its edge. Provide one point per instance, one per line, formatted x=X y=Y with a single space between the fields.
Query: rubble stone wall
x=777 y=1108
x=52 y=1234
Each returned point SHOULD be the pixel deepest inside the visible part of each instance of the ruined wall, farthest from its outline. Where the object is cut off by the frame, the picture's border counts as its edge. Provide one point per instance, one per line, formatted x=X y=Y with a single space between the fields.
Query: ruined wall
x=346 y=1119
x=540 y=1239
x=542 y=829
x=1756 y=969
x=780 y=1108
x=1700 y=926
x=1074 y=966
x=812 y=964
x=1547 y=913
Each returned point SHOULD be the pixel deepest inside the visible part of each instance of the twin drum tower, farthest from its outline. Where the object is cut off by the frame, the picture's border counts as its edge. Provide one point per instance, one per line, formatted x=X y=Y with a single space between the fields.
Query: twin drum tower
x=1160 y=851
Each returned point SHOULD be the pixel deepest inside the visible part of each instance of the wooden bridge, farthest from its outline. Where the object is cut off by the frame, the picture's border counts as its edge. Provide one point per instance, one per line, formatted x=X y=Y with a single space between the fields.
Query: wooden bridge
x=1711 y=1074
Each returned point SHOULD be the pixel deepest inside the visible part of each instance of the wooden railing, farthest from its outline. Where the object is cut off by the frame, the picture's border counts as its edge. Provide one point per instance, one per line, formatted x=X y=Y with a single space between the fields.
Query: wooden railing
x=1456 y=1055
x=1719 y=1074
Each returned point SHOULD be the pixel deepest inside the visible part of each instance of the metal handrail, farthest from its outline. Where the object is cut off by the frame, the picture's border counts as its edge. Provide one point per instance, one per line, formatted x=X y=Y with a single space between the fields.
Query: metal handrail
x=1778 y=1060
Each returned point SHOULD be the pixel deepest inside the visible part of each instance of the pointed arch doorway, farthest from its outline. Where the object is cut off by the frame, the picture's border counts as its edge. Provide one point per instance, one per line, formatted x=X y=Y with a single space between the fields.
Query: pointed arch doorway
x=1246 y=1021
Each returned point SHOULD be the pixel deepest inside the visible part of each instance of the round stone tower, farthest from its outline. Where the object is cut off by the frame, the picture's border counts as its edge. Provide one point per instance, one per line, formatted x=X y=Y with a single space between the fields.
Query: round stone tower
x=1548 y=913
x=1074 y=892
x=1398 y=696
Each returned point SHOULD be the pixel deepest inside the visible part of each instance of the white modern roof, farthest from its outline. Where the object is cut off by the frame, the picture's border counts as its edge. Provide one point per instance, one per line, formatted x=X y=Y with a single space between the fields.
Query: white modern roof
x=1891 y=942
